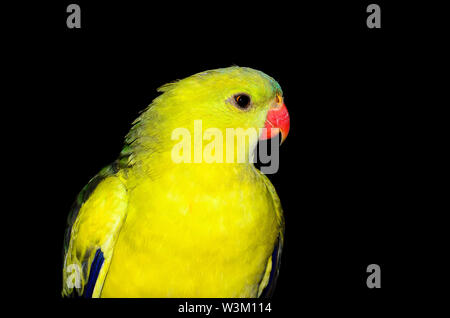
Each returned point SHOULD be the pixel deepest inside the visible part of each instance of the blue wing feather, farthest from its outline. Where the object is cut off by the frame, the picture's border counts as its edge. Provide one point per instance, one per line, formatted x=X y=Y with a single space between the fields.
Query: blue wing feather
x=96 y=266
x=276 y=254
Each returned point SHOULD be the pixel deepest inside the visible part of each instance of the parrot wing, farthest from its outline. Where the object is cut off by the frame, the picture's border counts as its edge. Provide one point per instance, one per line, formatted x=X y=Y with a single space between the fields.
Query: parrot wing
x=93 y=227
x=269 y=281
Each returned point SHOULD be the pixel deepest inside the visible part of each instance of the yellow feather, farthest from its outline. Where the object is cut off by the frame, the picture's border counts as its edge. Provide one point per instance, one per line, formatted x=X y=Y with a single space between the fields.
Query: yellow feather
x=188 y=229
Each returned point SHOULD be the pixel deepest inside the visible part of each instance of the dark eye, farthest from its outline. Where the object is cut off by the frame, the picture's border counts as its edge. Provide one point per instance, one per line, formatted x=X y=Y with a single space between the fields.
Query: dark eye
x=242 y=101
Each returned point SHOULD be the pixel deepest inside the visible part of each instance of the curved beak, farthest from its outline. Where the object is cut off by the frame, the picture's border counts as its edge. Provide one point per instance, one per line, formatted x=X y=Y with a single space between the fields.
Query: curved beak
x=277 y=121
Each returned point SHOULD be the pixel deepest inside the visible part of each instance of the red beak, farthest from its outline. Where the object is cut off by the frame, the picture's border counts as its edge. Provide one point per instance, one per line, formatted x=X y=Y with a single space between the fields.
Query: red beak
x=277 y=121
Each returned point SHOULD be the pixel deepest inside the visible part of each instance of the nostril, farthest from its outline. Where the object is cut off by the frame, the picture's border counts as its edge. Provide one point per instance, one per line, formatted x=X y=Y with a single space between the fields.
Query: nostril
x=278 y=99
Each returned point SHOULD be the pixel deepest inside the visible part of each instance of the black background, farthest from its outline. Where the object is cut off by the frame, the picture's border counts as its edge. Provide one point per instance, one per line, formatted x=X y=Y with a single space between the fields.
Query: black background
x=345 y=178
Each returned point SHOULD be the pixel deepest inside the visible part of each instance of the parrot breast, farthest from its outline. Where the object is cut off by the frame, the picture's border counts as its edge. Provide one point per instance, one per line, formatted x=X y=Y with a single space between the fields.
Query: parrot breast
x=195 y=233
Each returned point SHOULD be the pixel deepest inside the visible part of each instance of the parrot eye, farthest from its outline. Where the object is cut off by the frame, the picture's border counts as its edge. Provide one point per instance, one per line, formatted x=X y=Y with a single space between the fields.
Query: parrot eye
x=242 y=101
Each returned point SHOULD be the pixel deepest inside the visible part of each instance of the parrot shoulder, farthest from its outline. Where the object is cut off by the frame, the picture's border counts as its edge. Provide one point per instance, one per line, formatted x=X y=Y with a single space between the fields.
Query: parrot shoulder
x=269 y=280
x=93 y=228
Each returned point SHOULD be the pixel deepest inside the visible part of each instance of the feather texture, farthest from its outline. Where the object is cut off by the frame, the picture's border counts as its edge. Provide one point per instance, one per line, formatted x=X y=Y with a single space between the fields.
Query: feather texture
x=149 y=227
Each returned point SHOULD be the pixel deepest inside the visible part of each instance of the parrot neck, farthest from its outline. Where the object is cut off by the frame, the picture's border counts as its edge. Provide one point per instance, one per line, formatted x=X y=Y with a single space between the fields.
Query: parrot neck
x=161 y=161
x=184 y=146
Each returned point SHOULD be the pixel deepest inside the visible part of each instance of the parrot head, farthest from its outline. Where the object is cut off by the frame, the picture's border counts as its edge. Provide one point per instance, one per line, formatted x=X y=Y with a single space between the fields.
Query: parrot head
x=233 y=97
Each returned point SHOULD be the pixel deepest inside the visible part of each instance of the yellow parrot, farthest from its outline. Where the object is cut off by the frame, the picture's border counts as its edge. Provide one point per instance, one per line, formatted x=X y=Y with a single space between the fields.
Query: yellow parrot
x=151 y=226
